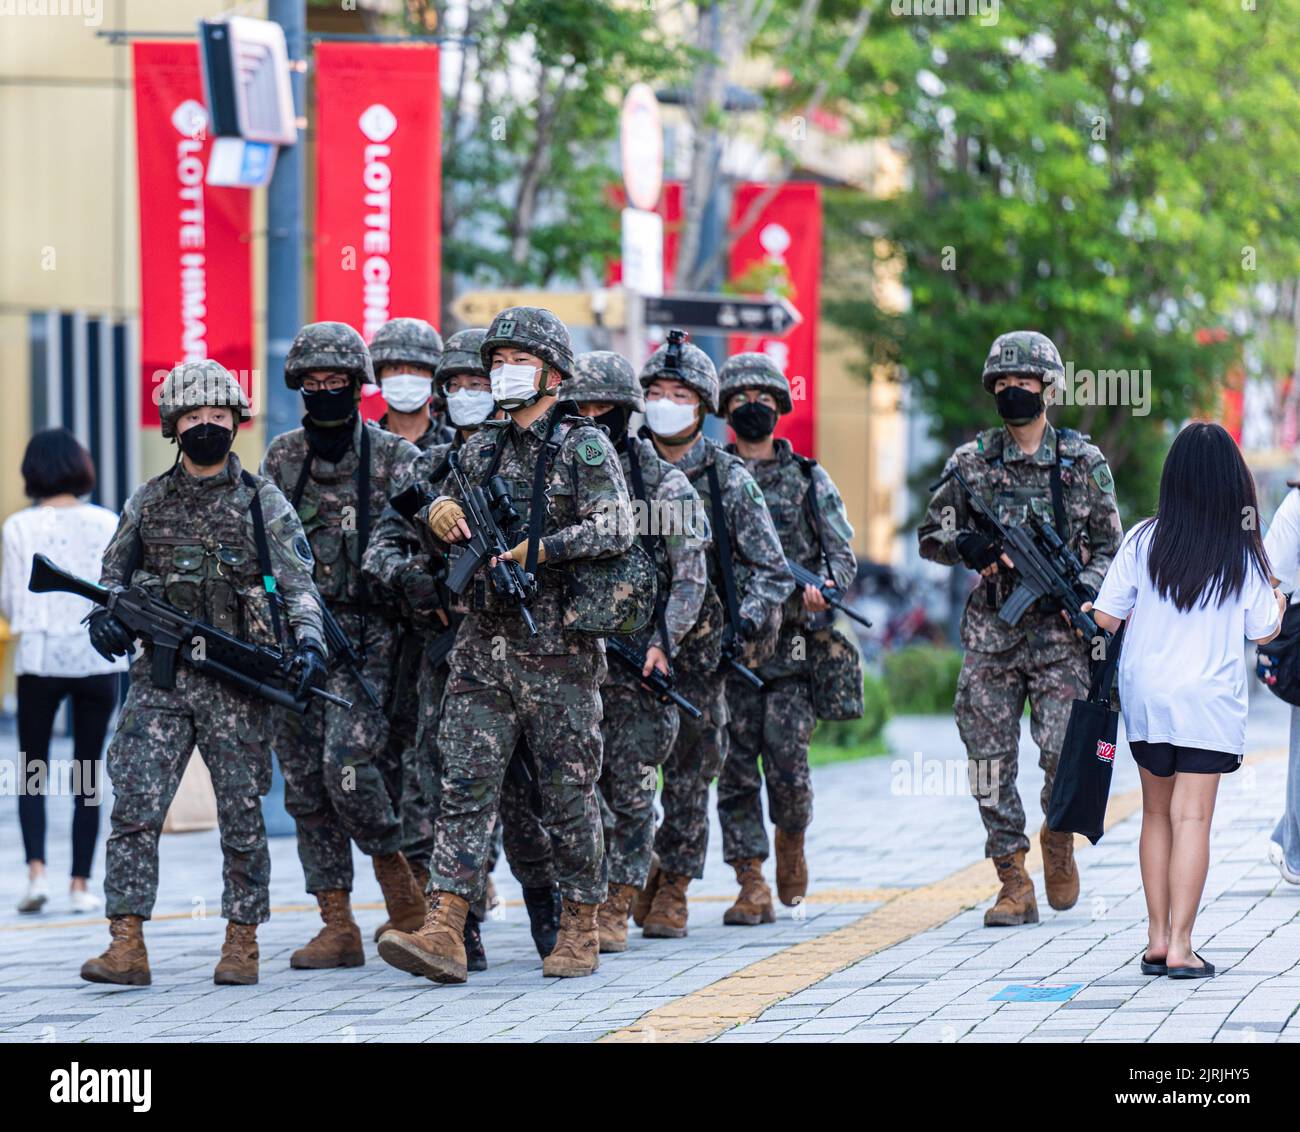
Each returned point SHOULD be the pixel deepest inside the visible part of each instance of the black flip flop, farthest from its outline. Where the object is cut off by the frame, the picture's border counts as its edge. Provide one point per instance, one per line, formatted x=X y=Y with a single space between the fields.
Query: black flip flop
x=1205 y=971
x=1149 y=968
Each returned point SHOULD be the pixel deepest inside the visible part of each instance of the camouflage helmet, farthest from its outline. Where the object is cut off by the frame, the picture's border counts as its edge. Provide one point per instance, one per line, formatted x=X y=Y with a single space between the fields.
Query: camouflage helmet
x=753 y=371
x=533 y=329
x=409 y=341
x=327 y=345
x=462 y=355
x=1024 y=352
x=192 y=385
x=603 y=375
x=688 y=364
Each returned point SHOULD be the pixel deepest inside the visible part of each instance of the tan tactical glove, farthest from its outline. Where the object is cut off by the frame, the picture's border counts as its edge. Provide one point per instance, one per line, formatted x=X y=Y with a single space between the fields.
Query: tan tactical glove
x=444 y=514
x=520 y=553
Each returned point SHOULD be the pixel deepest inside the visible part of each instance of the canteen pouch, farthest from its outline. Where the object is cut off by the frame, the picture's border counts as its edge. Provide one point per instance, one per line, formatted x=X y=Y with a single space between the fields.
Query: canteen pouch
x=606 y=596
x=835 y=669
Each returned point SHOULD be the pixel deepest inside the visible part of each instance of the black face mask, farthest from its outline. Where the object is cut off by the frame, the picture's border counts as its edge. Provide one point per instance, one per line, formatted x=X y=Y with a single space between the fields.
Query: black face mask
x=330 y=406
x=753 y=420
x=614 y=421
x=207 y=444
x=1019 y=406
x=329 y=443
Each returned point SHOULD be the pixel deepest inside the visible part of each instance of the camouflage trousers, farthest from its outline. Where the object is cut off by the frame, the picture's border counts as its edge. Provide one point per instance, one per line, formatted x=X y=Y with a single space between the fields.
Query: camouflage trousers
x=336 y=772
x=639 y=733
x=697 y=757
x=554 y=703
x=991 y=693
x=527 y=844
x=775 y=726
x=156 y=733
x=403 y=714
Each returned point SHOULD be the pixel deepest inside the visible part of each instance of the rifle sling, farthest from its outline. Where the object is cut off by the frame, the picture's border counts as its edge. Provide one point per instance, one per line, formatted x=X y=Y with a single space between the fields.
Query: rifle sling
x=648 y=541
x=722 y=540
x=264 y=555
x=538 y=501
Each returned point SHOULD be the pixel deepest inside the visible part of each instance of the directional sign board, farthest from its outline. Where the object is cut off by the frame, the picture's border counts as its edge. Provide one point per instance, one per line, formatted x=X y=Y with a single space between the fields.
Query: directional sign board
x=730 y=314
x=576 y=308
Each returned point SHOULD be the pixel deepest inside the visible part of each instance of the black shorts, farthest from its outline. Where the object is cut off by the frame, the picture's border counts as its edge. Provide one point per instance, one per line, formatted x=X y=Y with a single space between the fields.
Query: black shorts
x=1163 y=759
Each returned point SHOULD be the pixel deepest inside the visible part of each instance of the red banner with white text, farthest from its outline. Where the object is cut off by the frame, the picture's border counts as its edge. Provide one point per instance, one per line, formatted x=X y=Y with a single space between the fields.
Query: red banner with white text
x=195 y=255
x=781 y=250
x=378 y=187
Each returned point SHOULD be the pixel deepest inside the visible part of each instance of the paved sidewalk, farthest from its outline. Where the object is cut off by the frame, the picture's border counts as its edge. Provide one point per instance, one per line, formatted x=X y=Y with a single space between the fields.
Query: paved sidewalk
x=891 y=834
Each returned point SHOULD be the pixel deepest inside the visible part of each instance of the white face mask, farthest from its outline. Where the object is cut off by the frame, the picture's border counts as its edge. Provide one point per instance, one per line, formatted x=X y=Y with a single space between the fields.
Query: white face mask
x=406 y=392
x=469 y=407
x=668 y=418
x=513 y=386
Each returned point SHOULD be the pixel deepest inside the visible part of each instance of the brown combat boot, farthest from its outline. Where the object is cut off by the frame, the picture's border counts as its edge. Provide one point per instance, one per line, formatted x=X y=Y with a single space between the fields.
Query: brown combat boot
x=125 y=962
x=791 y=869
x=644 y=898
x=1060 y=874
x=754 y=904
x=667 y=916
x=338 y=943
x=611 y=920
x=577 y=948
x=420 y=875
x=437 y=950
x=237 y=966
x=1016 y=903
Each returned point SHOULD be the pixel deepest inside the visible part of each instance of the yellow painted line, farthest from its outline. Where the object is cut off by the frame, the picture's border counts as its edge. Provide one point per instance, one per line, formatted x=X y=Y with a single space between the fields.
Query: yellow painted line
x=743 y=996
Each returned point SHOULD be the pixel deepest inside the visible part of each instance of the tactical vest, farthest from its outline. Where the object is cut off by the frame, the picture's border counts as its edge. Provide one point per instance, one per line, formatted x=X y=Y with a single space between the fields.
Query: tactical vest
x=196 y=552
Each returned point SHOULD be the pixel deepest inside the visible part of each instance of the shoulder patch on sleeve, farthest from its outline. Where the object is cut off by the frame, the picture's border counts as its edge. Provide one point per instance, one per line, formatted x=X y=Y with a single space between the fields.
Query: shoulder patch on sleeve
x=755 y=492
x=302 y=548
x=1103 y=478
x=591 y=452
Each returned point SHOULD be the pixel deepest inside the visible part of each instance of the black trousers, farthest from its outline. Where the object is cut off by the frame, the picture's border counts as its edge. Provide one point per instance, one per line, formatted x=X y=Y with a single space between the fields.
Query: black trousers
x=93 y=699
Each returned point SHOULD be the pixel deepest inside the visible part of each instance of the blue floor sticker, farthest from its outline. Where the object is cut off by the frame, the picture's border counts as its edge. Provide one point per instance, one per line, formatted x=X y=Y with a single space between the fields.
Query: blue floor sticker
x=1017 y=992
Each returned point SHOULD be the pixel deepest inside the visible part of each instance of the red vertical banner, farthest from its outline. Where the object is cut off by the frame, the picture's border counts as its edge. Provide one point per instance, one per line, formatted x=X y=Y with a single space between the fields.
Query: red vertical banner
x=195 y=255
x=378 y=187
x=782 y=251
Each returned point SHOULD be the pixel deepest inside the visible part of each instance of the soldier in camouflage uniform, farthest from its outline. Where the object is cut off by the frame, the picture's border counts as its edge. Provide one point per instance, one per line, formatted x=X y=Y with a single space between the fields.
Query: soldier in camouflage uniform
x=639 y=730
x=190 y=537
x=338 y=473
x=681 y=389
x=1012 y=468
x=406 y=557
x=776 y=724
x=405 y=353
x=504 y=683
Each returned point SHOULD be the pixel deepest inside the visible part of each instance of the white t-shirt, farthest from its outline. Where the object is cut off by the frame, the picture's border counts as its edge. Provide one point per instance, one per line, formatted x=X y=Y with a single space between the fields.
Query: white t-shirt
x=1282 y=540
x=52 y=641
x=1182 y=676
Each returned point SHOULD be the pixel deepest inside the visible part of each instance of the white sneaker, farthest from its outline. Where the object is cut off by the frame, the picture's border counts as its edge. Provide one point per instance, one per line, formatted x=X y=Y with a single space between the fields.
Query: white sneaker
x=38 y=892
x=82 y=900
x=1278 y=858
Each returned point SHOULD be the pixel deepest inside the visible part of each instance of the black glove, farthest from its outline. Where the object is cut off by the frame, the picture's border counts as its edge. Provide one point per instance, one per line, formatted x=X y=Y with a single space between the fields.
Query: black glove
x=420 y=589
x=309 y=661
x=978 y=550
x=108 y=636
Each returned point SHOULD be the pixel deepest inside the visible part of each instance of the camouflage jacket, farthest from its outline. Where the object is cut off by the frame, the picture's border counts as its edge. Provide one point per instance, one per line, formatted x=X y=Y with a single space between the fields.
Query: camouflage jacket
x=438 y=432
x=588 y=515
x=675 y=514
x=1015 y=484
x=762 y=580
x=793 y=487
x=191 y=541
x=329 y=505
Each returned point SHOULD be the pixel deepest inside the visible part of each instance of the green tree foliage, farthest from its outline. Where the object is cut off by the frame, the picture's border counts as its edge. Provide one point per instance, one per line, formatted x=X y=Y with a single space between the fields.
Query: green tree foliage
x=1119 y=174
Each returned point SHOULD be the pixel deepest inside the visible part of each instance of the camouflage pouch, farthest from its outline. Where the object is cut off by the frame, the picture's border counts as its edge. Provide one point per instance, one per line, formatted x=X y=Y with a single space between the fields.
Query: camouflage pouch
x=762 y=648
x=604 y=596
x=836 y=671
x=701 y=648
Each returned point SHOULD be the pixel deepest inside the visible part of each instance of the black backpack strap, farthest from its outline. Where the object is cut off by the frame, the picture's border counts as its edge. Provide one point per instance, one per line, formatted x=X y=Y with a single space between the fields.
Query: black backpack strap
x=264 y=553
x=363 y=528
x=301 y=485
x=810 y=503
x=1058 y=502
x=722 y=539
x=550 y=447
x=648 y=541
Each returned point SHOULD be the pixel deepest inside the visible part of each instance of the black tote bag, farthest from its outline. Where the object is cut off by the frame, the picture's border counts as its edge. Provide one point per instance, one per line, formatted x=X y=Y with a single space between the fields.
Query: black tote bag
x=1082 y=785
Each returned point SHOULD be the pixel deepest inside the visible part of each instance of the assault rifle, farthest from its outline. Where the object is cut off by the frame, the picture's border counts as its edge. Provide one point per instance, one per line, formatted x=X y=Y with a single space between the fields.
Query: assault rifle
x=343 y=650
x=832 y=595
x=174 y=635
x=657 y=682
x=485 y=510
x=1044 y=565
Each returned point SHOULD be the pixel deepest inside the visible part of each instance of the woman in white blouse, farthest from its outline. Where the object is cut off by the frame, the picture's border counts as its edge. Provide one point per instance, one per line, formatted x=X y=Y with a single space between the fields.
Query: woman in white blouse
x=1282 y=541
x=54 y=660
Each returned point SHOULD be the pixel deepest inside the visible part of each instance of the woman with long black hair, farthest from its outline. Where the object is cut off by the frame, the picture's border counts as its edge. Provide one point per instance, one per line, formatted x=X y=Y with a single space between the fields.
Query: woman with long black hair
x=1191 y=583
